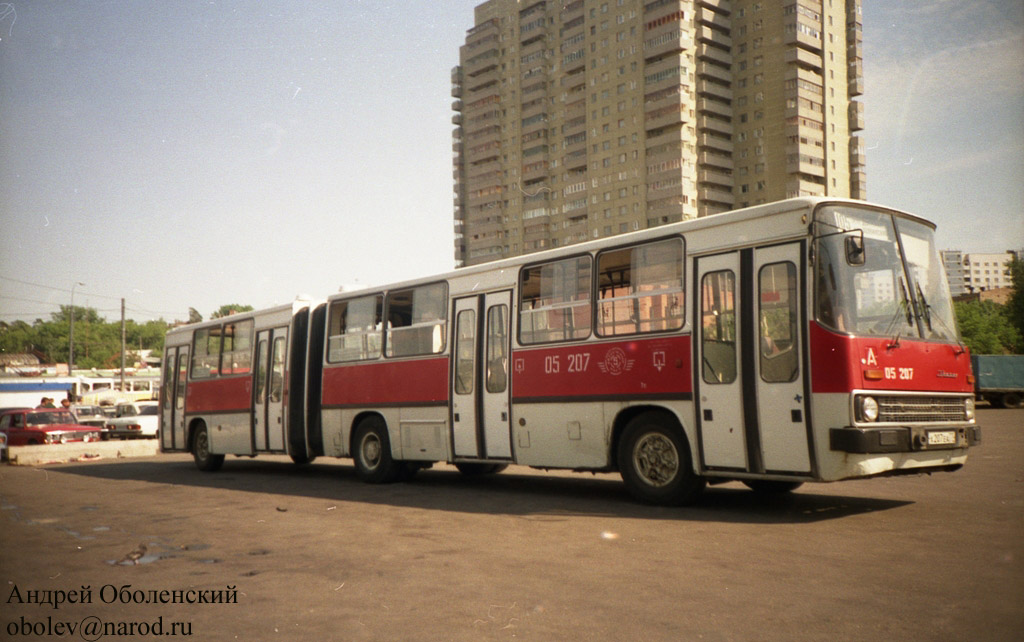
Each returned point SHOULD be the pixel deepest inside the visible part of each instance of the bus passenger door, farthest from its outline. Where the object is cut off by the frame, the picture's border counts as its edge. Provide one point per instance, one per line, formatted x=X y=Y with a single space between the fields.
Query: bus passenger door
x=172 y=399
x=480 y=381
x=781 y=393
x=717 y=376
x=464 y=378
x=494 y=387
x=268 y=390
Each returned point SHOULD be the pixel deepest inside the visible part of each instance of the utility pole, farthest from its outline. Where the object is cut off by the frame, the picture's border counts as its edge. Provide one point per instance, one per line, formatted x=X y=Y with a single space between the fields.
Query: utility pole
x=122 y=344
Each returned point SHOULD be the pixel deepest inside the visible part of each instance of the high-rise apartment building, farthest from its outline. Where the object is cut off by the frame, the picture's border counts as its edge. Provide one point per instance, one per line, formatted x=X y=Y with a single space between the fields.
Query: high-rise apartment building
x=578 y=119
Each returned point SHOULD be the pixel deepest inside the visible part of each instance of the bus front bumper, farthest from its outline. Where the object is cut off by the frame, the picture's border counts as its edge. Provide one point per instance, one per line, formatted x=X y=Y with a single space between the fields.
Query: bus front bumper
x=902 y=439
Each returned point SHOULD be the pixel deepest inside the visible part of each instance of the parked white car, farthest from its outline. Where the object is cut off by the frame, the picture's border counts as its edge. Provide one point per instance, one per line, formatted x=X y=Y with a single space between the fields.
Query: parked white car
x=137 y=420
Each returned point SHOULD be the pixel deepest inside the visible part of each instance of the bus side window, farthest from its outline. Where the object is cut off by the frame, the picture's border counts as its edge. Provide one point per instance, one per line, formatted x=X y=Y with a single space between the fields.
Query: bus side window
x=355 y=329
x=417 y=320
x=555 y=302
x=640 y=289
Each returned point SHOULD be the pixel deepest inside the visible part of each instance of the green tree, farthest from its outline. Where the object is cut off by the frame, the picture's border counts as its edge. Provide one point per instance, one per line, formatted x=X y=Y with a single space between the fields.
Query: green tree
x=1015 y=306
x=231 y=308
x=986 y=329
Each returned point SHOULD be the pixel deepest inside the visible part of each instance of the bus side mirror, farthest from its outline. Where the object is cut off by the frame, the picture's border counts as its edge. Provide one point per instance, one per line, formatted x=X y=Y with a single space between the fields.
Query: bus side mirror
x=855 y=250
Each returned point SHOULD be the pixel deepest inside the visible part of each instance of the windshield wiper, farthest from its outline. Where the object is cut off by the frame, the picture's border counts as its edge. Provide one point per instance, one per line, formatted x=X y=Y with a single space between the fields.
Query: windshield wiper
x=925 y=310
x=902 y=310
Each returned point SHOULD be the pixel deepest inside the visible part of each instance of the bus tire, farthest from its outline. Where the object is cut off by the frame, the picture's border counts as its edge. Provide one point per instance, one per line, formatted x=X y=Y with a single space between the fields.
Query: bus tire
x=302 y=460
x=1011 y=400
x=771 y=486
x=654 y=461
x=372 y=453
x=205 y=460
x=473 y=469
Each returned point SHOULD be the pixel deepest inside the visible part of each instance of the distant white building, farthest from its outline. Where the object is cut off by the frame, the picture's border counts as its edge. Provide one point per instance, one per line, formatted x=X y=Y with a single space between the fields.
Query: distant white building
x=953 y=262
x=982 y=272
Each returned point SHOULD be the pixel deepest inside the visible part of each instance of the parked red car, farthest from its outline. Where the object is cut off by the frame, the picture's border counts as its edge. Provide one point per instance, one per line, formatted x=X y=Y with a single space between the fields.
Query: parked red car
x=44 y=426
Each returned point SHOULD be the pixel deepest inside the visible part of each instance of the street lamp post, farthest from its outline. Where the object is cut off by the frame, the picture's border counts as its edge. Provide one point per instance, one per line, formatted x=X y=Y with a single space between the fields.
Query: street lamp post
x=71 y=331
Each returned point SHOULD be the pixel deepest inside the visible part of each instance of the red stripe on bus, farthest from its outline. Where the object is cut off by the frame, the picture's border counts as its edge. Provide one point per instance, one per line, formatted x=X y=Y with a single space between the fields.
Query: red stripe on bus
x=219 y=395
x=387 y=382
x=841 y=363
x=648 y=366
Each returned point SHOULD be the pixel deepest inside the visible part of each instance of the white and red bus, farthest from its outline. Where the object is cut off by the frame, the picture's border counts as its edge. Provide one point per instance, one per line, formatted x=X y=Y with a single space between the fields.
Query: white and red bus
x=805 y=340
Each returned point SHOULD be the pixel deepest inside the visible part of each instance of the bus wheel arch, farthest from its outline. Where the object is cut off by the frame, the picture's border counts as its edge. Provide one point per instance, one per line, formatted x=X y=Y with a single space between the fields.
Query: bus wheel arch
x=371 y=450
x=653 y=455
x=199 y=446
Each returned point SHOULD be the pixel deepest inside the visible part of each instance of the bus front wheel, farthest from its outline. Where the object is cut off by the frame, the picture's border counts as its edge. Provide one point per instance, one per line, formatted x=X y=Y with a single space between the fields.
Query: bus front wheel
x=654 y=461
x=205 y=460
x=372 y=453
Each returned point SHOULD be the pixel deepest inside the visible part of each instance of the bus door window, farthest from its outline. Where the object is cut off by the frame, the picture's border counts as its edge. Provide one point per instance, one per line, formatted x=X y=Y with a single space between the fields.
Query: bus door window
x=277 y=371
x=261 y=371
x=718 y=326
x=465 y=351
x=778 y=322
x=497 y=348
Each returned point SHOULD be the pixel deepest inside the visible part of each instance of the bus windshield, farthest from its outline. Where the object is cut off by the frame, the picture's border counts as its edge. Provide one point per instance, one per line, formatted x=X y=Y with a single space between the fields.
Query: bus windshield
x=894 y=287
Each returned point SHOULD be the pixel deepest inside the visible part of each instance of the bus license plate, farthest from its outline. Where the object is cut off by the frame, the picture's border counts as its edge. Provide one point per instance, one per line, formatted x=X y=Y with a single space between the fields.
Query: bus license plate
x=942 y=438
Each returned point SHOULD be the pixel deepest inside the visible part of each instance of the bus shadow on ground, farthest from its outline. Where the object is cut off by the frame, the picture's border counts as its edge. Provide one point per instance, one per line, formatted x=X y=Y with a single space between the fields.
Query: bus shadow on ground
x=518 y=491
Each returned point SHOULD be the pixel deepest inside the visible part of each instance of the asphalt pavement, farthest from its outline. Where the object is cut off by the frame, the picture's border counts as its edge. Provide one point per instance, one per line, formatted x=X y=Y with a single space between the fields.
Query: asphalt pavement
x=266 y=550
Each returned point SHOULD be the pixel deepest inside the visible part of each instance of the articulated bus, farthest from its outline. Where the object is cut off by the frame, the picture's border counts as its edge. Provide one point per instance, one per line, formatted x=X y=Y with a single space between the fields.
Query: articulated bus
x=808 y=340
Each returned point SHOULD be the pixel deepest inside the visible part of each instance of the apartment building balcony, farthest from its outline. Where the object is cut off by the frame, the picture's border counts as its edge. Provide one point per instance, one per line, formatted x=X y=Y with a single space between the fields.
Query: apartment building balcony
x=713 y=195
x=805 y=165
x=669 y=39
x=457 y=90
x=719 y=143
x=715 y=177
x=858 y=154
x=671 y=114
x=709 y=88
x=707 y=15
x=856 y=112
x=797 y=186
x=706 y=123
x=664 y=135
x=713 y=105
x=711 y=159
x=858 y=185
x=653 y=13
x=855 y=86
x=480 y=63
x=715 y=72
x=724 y=6
x=802 y=57
x=535 y=173
x=705 y=33
x=711 y=52
x=793 y=35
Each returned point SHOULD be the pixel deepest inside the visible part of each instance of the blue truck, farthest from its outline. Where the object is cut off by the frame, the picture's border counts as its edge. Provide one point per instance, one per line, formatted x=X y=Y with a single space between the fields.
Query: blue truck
x=999 y=379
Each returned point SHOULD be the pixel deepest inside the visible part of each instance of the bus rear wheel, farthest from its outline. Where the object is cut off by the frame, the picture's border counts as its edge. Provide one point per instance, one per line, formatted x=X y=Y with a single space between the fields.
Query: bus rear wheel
x=372 y=453
x=205 y=460
x=654 y=461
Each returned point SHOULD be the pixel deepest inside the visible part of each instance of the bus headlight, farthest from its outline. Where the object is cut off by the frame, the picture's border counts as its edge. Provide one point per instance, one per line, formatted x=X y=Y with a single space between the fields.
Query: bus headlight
x=969 y=408
x=868 y=409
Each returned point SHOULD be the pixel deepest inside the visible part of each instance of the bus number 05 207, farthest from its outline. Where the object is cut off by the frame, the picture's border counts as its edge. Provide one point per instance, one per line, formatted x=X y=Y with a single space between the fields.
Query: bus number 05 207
x=578 y=362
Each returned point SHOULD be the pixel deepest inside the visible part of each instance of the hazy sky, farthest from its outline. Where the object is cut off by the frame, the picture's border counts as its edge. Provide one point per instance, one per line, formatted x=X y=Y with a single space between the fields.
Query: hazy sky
x=192 y=154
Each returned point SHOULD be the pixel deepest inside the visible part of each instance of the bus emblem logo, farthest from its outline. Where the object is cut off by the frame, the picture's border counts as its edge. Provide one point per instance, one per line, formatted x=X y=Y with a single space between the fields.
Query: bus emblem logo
x=615 y=362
